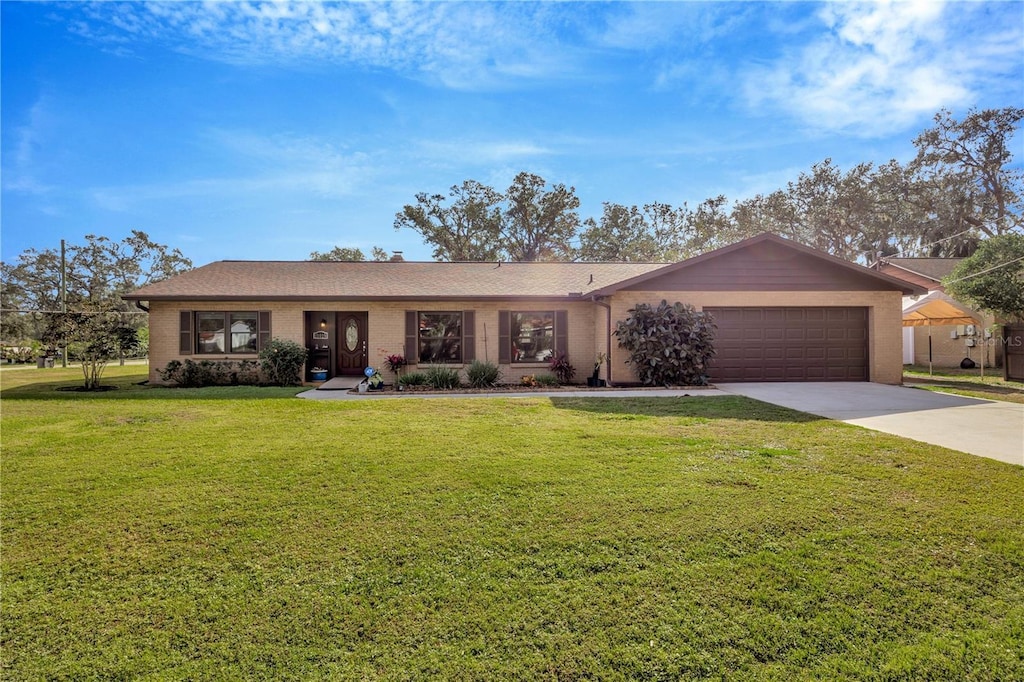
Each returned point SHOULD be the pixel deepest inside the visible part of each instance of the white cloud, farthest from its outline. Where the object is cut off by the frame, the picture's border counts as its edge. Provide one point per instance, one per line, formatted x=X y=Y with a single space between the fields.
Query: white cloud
x=646 y=25
x=20 y=168
x=884 y=66
x=460 y=45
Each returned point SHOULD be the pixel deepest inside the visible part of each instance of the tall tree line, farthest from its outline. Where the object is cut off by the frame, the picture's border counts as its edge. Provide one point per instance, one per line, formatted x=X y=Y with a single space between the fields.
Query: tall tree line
x=961 y=188
x=98 y=273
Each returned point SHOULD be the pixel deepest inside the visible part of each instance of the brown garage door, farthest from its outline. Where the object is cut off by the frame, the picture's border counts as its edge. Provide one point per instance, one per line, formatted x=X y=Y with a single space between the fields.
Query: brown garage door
x=790 y=344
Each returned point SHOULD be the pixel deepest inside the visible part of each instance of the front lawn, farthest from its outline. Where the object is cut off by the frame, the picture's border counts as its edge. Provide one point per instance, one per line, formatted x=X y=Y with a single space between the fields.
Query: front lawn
x=715 y=537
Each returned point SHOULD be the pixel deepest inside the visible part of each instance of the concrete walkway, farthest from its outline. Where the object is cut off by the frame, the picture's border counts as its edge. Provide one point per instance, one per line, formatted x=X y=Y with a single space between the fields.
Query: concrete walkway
x=978 y=427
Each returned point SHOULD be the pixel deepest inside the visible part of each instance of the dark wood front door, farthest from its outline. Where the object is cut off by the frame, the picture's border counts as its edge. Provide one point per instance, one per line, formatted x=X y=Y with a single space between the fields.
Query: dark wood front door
x=352 y=352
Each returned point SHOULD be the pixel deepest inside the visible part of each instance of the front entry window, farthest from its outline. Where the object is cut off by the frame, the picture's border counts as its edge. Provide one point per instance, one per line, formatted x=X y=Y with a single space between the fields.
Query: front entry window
x=351 y=335
x=210 y=332
x=533 y=336
x=244 y=332
x=440 y=337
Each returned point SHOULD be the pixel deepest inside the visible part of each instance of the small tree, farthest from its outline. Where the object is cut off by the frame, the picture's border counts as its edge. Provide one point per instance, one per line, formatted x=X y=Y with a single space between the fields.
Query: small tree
x=96 y=338
x=668 y=344
x=281 y=362
x=993 y=278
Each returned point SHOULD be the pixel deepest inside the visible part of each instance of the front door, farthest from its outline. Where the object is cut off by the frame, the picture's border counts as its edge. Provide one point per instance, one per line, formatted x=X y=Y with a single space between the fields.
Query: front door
x=352 y=353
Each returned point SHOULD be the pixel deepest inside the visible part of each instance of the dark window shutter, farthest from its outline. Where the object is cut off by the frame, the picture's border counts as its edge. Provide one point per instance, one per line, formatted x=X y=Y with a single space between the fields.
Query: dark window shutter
x=561 y=331
x=468 y=335
x=504 y=340
x=185 y=331
x=412 y=353
x=263 y=330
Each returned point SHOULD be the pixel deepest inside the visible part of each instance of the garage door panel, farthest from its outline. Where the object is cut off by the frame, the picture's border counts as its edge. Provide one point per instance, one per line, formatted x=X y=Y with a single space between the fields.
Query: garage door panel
x=813 y=314
x=790 y=344
x=818 y=354
x=815 y=374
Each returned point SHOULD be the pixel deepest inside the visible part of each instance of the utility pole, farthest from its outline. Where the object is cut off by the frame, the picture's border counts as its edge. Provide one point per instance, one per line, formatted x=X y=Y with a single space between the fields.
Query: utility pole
x=63 y=300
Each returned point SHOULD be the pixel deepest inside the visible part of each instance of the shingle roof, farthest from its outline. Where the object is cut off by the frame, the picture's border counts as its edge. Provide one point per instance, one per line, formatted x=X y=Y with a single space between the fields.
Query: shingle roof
x=386 y=280
x=932 y=268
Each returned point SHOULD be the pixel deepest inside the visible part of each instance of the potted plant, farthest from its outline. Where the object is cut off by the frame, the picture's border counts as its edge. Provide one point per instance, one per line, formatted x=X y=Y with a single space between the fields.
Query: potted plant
x=594 y=381
x=375 y=381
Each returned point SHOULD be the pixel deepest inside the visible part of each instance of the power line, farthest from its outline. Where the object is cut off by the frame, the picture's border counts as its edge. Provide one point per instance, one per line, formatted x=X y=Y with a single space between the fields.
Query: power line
x=925 y=246
x=982 y=272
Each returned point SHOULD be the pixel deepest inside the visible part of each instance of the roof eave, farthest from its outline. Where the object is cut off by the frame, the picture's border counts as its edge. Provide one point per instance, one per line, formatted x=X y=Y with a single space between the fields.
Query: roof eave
x=269 y=297
x=937 y=280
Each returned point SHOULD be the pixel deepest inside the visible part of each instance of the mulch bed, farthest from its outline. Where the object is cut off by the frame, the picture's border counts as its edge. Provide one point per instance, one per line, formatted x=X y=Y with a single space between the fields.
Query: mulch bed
x=83 y=389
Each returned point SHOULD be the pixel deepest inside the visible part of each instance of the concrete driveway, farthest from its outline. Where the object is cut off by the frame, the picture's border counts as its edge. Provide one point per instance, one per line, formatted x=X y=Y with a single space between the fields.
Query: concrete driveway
x=979 y=427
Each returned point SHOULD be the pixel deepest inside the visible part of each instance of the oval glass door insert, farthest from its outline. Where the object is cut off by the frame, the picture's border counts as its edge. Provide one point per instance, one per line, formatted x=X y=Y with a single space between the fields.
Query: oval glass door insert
x=351 y=335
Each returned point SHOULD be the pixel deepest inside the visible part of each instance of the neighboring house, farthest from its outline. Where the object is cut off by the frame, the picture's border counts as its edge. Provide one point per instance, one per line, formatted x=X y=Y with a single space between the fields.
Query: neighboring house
x=949 y=343
x=785 y=312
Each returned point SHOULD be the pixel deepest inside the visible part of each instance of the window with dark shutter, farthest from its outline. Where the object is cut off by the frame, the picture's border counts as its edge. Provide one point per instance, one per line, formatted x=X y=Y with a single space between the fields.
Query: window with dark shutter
x=264 y=329
x=185 y=332
x=439 y=337
x=561 y=332
x=532 y=337
x=220 y=332
x=504 y=342
x=468 y=336
x=411 y=336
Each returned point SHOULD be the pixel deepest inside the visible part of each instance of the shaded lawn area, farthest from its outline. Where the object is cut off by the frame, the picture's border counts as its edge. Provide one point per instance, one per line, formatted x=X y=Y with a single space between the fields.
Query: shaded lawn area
x=966 y=382
x=498 y=538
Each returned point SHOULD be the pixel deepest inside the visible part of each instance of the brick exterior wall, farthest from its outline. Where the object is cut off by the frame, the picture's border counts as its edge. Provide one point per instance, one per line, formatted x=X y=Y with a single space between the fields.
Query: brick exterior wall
x=588 y=325
x=386 y=329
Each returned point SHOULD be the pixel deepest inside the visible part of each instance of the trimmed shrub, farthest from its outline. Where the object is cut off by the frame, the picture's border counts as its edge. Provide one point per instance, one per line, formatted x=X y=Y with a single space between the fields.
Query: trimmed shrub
x=442 y=378
x=247 y=373
x=282 y=361
x=413 y=379
x=546 y=380
x=483 y=374
x=669 y=345
x=192 y=374
x=562 y=368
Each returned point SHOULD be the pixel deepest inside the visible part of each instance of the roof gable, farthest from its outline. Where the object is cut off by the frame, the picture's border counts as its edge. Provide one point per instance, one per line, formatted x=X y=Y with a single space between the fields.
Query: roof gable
x=764 y=263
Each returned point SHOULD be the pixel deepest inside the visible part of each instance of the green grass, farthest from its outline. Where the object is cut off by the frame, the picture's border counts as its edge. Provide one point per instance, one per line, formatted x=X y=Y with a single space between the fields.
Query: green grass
x=966 y=382
x=697 y=538
x=127 y=383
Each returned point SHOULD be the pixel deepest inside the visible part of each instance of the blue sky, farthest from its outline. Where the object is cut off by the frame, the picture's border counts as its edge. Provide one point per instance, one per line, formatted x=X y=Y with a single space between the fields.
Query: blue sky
x=269 y=130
